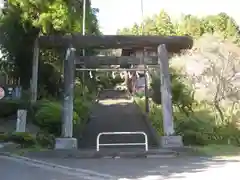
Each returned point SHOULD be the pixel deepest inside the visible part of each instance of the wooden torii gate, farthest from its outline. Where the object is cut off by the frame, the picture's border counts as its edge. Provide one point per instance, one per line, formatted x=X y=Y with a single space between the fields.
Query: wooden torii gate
x=70 y=42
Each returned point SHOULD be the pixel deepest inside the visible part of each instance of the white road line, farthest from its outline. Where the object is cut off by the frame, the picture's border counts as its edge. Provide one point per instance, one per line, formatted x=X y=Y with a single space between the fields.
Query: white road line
x=81 y=173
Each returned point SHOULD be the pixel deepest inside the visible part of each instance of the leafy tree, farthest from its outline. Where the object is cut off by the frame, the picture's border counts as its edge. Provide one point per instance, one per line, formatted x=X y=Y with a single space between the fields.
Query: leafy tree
x=161 y=24
x=24 y=20
x=204 y=80
x=221 y=23
x=190 y=25
x=212 y=70
x=158 y=24
x=164 y=24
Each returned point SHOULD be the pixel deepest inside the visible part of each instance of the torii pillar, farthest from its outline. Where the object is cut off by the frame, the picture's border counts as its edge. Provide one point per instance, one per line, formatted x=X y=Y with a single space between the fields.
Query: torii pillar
x=169 y=139
x=66 y=141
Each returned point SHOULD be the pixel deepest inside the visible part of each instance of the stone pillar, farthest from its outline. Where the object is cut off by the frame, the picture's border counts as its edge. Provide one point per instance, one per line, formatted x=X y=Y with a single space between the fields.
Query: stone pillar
x=21 y=120
x=34 y=80
x=66 y=141
x=169 y=139
x=146 y=83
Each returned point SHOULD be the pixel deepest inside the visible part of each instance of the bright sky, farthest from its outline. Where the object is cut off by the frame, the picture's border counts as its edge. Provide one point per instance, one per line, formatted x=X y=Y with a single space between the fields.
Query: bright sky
x=116 y=14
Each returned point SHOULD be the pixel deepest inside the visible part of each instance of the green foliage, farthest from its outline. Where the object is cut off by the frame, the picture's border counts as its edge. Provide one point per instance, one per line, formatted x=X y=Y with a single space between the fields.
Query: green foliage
x=23 y=21
x=190 y=25
x=214 y=150
x=49 y=81
x=53 y=15
x=10 y=107
x=161 y=24
x=155 y=114
x=23 y=138
x=45 y=139
x=3 y=137
x=48 y=117
x=198 y=122
x=48 y=113
x=85 y=90
x=81 y=107
x=181 y=93
x=194 y=131
x=199 y=127
x=107 y=81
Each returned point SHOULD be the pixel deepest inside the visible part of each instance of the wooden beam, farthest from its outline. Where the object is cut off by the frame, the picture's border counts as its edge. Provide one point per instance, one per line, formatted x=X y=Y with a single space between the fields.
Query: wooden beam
x=109 y=69
x=111 y=60
x=173 y=43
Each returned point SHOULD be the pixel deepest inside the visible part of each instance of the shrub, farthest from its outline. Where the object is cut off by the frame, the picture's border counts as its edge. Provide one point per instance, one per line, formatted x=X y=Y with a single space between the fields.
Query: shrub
x=3 y=137
x=197 y=128
x=108 y=82
x=81 y=107
x=194 y=131
x=227 y=134
x=23 y=138
x=10 y=107
x=181 y=93
x=45 y=139
x=48 y=117
x=155 y=114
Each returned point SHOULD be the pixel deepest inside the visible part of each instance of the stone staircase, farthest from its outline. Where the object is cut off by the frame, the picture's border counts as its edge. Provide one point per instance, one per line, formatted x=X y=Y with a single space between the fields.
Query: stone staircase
x=116 y=112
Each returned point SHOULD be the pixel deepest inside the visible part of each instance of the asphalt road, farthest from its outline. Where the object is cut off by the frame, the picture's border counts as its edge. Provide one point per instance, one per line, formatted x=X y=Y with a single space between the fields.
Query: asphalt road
x=184 y=168
x=15 y=170
x=187 y=168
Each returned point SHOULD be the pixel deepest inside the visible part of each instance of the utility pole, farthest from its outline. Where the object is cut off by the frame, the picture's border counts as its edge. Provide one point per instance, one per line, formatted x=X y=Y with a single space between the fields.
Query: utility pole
x=142 y=13
x=34 y=80
x=145 y=73
x=83 y=33
x=84 y=21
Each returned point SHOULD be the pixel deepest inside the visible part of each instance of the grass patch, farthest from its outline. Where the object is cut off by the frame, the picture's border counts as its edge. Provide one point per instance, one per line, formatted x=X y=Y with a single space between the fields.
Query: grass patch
x=23 y=151
x=217 y=150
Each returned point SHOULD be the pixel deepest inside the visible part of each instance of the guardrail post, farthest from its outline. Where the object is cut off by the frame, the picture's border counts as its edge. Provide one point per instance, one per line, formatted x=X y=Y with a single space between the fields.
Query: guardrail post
x=118 y=144
x=98 y=137
x=146 y=141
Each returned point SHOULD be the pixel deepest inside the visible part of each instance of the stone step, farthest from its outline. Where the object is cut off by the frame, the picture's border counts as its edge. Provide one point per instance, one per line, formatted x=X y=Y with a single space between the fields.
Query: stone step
x=113 y=117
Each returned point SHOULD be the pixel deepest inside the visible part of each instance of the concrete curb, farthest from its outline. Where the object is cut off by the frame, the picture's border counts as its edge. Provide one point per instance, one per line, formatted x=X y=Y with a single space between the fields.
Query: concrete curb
x=57 y=166
x=151 y=156
x=99 y=155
